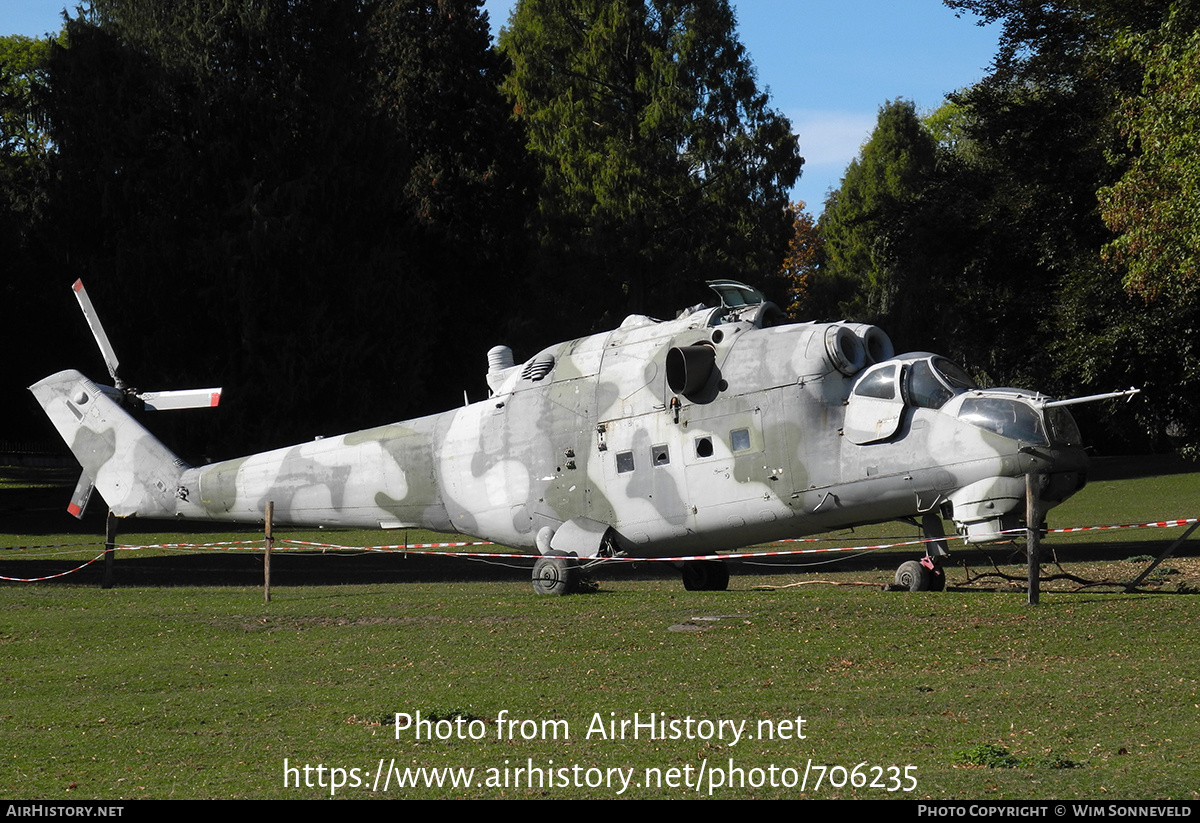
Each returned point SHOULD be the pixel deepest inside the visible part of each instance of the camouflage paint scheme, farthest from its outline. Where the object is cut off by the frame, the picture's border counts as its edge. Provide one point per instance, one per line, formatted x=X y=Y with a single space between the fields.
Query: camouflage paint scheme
x=722 y=428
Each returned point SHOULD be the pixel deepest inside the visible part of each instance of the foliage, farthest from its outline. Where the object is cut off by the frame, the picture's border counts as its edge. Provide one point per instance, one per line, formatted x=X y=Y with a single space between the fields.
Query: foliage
x=1051 y=116
x=895 y=230
x=978 y=232
x=805 y=253
x=25 y=154
x=661 y=163
x=24 y=143
x=22 y=80
x=989 y=755
x=290 y=165
x=1155 y=206
x=879 y=186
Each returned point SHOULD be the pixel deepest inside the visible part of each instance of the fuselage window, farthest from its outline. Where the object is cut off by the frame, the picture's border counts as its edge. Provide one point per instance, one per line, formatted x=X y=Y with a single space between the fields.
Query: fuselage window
x=624 y=462
x=704 y=447
x=660 y=455
x=739 y=440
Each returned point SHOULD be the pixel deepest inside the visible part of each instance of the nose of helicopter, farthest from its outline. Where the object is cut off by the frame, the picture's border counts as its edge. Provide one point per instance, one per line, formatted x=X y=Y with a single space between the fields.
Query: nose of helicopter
x=1066 y=474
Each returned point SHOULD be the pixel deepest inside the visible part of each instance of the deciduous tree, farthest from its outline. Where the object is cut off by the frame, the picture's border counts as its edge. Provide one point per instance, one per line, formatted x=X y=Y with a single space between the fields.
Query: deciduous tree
x=1155 y=207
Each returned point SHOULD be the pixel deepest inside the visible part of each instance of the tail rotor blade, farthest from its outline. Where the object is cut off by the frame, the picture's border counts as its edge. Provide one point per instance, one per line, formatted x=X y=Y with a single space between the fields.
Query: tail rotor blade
x=93 y=321
x=181 y=399
x=81 y=495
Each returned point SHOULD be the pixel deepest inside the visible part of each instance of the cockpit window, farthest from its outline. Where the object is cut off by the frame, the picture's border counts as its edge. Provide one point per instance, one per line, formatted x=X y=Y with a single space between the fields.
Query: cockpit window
x=1008 y=418
x=923 y=389
x=1063 y=430
x=878 y=383
x=953 y=375
x=930 y=383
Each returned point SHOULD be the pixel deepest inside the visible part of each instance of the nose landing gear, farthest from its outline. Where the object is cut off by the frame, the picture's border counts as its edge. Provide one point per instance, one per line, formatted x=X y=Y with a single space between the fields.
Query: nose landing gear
x=926 y=574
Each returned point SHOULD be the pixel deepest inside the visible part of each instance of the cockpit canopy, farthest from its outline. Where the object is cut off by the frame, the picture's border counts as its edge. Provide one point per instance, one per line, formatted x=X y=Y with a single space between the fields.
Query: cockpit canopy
x=876 y=405
x=1012 y=415
x=927 y=383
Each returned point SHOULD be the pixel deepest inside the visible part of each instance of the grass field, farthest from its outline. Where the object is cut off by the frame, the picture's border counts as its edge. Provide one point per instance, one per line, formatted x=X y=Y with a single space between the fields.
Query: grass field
x=167 y=689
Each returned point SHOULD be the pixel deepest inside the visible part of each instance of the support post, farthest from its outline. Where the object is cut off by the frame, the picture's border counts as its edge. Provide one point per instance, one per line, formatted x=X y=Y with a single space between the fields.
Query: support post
x=270 y=541
x=1034 y=481
x=110 y=549
x=1154 y=565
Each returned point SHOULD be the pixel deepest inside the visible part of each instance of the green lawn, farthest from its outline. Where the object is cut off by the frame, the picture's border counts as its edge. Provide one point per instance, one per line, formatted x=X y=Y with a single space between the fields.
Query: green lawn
x=185 y=691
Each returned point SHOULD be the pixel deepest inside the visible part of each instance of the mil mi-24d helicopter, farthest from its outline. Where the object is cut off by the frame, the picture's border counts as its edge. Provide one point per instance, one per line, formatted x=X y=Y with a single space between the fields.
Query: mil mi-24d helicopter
x=722 y=428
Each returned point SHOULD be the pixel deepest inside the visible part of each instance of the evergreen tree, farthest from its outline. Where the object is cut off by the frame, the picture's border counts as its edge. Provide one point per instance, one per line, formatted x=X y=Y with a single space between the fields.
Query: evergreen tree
x=313 y=188
x=661 y=163
x=880 y=186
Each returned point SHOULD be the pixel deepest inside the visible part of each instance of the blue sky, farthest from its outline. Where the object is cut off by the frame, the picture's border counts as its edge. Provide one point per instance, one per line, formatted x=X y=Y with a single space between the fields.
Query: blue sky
x=829 y=64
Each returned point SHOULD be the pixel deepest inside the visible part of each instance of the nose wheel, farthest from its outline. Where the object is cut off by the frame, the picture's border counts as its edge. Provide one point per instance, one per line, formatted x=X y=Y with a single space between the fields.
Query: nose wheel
x=921 y=576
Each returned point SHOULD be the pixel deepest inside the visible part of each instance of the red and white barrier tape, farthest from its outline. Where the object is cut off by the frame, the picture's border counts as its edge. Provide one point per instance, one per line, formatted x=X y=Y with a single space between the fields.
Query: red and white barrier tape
x=51 y=576
x=423 y=548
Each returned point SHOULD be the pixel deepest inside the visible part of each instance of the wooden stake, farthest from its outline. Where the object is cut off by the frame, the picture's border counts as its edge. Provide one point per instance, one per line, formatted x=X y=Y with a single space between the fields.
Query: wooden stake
x=1033 y=532
x=110 y=549
x=270 y=540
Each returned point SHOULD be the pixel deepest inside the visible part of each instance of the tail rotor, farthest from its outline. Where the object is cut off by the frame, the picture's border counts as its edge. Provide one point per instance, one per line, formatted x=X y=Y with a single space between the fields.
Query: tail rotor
x=127 y=396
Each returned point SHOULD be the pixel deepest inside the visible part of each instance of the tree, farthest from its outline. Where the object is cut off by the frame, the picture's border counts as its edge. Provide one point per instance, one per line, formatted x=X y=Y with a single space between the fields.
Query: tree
x=24 y=144
x=865 y=220
x=661 y=163
x=806 y=251
x=316 y=187
x=1155 y=207
x=1053 y=134
x=25 y=155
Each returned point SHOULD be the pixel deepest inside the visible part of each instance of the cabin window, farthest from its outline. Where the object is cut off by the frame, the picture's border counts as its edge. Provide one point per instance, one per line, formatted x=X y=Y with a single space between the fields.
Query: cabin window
x=704 y=447
x=739 y=440
x=660 y=455
x=624 y=462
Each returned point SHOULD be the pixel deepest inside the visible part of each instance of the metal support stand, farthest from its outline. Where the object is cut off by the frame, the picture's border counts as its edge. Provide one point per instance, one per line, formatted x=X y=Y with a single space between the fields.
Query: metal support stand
x=1170 y=551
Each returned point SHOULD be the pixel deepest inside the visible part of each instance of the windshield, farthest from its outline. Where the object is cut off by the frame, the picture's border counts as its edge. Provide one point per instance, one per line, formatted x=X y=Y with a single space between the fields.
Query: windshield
x=1008 y=418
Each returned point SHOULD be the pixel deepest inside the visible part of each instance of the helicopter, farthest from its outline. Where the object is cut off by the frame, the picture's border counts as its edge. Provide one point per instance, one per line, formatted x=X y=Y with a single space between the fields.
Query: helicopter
x=725 y=427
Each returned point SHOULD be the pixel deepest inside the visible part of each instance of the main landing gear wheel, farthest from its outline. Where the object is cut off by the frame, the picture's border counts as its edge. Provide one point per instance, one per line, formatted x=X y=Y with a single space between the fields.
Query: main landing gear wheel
x=705 y=576
x=556 y=574
x=912 y=575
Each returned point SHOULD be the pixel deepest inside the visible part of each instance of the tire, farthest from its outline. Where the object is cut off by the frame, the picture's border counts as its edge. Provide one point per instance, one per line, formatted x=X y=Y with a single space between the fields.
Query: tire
x=913 y=576
x=705 y=576
x=555 y=575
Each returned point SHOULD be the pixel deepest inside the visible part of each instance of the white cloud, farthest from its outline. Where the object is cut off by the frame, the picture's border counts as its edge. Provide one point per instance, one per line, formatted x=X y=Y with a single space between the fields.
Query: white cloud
x=832 y=137
x=829 y=140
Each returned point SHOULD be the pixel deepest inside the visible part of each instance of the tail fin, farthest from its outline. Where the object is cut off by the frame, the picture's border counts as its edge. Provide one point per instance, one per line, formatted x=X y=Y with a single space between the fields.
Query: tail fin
x=135 y=473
